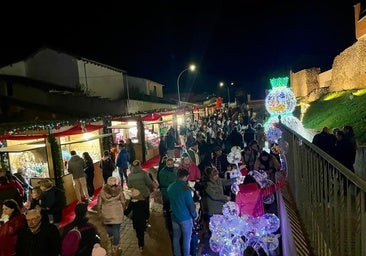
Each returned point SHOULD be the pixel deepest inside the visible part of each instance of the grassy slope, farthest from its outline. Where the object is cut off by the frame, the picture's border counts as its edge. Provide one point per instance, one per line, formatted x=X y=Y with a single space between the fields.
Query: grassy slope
x=336 y=110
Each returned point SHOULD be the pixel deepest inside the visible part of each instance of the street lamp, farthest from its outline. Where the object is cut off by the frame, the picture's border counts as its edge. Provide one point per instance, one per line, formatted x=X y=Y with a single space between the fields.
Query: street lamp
x=222 y=84
x=191 y=68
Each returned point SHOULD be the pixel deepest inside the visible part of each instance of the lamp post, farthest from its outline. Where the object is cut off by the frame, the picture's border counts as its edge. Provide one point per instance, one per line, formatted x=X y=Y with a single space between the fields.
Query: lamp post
x=191 y=68
x=222 y=84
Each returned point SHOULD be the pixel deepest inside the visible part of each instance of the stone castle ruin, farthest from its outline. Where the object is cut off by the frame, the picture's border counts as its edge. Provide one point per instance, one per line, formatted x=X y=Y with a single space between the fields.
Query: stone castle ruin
x=348 y=70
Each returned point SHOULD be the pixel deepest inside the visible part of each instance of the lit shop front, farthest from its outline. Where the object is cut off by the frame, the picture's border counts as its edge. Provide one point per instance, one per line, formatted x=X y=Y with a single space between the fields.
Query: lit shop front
x=154 y=126
x=143 y=131
x=32 y=152
x=129 y=127
x=30 y=155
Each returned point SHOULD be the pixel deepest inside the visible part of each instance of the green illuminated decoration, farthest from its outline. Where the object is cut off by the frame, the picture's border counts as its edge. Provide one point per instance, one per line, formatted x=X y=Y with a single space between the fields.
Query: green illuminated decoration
x=279 y=81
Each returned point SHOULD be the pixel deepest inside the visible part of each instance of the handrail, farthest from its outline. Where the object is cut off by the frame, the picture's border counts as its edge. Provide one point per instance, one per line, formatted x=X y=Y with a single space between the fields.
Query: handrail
x=330 y=199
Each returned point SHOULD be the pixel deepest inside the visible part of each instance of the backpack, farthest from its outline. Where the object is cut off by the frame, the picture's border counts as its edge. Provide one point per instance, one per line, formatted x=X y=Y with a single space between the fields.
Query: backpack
x=70 y=242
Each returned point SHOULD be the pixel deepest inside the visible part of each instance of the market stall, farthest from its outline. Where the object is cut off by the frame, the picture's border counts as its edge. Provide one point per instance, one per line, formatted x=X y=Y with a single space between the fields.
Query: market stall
x=153 y=128
x=129 y=127
x=31 y=151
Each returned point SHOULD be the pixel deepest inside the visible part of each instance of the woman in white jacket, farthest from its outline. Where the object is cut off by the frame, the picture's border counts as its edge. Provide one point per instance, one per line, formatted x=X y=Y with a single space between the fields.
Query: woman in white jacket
x=111 y=203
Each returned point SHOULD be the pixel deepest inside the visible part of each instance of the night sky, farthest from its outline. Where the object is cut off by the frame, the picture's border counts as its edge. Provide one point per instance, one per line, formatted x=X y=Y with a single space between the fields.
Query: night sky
x=229 y=41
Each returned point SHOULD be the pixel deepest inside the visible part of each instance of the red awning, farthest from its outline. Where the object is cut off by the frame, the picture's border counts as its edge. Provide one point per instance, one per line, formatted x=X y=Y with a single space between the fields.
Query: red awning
x=151 y=117
x=78 y=129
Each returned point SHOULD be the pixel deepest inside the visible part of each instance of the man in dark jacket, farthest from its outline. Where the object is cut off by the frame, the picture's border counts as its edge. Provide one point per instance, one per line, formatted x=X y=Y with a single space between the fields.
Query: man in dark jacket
x=40 y=238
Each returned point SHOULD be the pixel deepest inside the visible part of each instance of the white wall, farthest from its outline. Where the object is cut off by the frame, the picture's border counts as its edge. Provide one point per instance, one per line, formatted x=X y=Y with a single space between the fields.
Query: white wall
x=16 y=69
x=101 y=81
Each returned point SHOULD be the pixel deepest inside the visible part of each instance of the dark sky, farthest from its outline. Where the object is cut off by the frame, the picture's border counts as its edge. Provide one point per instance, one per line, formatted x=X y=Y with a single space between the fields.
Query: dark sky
x=229 y=41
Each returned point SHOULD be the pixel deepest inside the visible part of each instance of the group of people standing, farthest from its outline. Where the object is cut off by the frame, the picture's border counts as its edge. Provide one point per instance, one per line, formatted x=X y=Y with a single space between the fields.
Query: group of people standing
x=340 y=144
x=30 y=227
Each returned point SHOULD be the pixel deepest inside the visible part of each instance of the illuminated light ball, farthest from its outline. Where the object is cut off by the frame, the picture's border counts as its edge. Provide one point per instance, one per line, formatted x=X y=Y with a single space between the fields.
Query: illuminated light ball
x=273 y=134
x=230 y=210
x=215 y=243
x=269 y=242
x=270 y=198
x=216 y=221
x=231 y=250
x=239 y=225
x=234 y=157
x=272 y=223
x=281 y=100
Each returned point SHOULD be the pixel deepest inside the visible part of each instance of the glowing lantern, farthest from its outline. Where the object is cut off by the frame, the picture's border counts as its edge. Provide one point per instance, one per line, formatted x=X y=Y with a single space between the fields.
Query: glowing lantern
x=281 y=100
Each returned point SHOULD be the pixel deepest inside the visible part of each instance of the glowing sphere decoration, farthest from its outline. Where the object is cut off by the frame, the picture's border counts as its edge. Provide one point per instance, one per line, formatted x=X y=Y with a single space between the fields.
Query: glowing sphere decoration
x=281 y=100
x=232 y=234
x=230 y=210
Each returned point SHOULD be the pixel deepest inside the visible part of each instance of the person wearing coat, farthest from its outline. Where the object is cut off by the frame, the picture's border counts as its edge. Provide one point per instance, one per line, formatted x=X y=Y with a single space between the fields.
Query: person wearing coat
x=12 y=222
x=250 y=196
x=140 y=180
x=111 y=204
x=89 y=171
x=214 y=191
x=76 y=168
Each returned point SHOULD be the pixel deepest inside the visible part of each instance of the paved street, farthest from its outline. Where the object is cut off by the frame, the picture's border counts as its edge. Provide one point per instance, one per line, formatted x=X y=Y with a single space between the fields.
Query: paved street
x=157 y=241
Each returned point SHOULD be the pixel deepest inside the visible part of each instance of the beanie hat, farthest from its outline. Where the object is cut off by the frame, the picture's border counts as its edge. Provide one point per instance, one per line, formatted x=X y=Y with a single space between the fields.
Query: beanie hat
x=98 y=250
x=184 y=155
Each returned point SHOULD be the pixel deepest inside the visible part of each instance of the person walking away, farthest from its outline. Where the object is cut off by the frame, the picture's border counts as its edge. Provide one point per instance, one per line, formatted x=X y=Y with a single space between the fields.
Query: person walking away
x=137 y=207
x=107 y=165
x=171 y=141
x=139 y=179
x=183 y=212
x=89 y=171
x=40 y=238
x=122 y=162
x=111 y=204
x=131 y=150
x=76 y=168
x=11 y=223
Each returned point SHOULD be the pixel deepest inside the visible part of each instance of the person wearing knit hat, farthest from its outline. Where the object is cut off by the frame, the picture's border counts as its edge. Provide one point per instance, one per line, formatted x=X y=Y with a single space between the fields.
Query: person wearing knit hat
x=140 y=184
x=110 y=205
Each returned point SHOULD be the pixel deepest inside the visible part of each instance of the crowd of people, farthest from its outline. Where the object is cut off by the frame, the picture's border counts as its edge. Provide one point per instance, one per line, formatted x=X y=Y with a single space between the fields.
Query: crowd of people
x=194 y=187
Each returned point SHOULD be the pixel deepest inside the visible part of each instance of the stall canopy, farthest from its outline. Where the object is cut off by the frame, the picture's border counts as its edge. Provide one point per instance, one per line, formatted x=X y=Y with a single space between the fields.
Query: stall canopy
x=21 y=148
x=151 y=117
x=77 y=129
x=87 y=139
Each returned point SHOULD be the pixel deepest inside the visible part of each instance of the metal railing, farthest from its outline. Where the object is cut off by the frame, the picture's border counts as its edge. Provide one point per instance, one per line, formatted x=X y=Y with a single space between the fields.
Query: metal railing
x=329 y=198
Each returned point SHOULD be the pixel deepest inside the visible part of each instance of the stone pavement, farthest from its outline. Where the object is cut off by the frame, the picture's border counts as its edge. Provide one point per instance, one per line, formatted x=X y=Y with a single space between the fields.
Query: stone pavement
x=157 y=241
